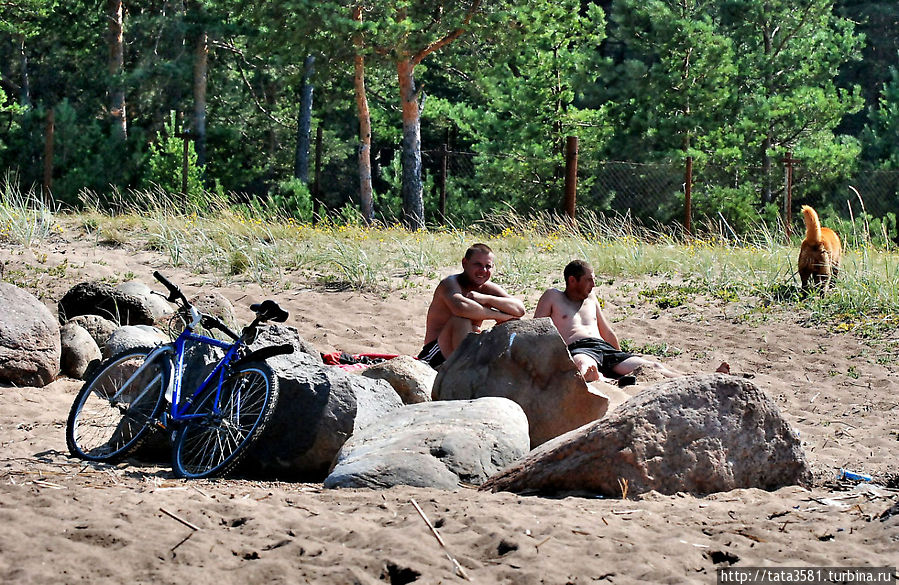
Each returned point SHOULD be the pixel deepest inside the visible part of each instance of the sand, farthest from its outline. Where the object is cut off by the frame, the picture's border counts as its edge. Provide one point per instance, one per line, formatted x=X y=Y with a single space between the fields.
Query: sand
x=64 y=521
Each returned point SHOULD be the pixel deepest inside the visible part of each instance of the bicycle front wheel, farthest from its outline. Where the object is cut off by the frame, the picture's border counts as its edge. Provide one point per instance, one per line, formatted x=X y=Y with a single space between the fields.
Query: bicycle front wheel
x=214 y=442
x=114 y=409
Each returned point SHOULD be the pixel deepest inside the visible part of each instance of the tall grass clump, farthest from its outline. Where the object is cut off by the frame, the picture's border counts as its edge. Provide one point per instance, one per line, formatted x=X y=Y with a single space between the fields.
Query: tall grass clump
x=272 y=247
x=25 y=218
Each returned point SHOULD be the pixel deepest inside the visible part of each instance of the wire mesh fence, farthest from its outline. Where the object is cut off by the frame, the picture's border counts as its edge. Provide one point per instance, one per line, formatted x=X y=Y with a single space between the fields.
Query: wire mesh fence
x=654 y=194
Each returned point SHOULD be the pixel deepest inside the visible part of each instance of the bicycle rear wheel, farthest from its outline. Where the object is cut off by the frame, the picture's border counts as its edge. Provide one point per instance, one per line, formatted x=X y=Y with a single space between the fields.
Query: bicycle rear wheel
x=114 y=409
x=214 y=443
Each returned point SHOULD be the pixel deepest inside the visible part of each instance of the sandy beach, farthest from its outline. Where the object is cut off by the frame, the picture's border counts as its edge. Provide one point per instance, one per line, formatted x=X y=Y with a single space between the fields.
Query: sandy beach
x=65 y=521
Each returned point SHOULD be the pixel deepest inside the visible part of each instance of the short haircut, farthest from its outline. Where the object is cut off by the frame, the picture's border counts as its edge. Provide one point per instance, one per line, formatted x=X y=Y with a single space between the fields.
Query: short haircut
x=576 y=268
x=477 y=249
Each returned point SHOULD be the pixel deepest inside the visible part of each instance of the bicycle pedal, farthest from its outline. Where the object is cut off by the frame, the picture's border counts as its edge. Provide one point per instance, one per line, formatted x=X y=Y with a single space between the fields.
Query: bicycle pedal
x=161 y=423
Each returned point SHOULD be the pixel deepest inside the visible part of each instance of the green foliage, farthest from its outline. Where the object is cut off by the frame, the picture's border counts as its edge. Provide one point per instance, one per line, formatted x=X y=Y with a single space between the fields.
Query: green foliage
x=165 y=164
x=880 y=135
x=292 y=200
x=523 y=103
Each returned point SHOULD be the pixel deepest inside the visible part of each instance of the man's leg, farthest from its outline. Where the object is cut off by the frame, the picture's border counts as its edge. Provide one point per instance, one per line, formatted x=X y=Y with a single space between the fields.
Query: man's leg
x=452 y=334
x=632 y=363
x=586 y=366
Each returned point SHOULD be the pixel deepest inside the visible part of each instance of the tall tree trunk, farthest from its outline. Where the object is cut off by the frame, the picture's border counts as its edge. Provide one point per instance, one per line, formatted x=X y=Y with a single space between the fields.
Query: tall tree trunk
x=365 y=189
x=304 y=123
x=413 y=205
x=201 y=64
x=116 y=63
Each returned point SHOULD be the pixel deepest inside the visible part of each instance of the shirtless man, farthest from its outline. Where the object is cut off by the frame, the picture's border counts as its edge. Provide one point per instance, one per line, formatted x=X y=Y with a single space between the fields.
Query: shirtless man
x=462 y=302
x=593 y=344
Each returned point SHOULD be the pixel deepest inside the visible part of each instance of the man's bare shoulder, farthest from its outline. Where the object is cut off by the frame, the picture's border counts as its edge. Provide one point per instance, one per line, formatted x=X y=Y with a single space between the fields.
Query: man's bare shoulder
x=552 y=295
x=491 y=288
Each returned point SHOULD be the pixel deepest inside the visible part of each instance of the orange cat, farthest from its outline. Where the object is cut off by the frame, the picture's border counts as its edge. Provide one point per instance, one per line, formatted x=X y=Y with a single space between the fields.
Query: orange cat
x=819 y=255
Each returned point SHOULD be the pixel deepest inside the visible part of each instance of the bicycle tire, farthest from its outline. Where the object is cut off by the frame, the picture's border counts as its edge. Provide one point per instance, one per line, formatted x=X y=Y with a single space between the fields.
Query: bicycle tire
x=213 y=445
x=109 y=421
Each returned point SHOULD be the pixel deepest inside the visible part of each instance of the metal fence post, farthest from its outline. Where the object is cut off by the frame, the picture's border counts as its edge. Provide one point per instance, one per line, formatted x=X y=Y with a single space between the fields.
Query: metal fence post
x=688 y=195
x=443 y=156
x=788 y=161
x=49 y=129
x=316 y=184
x=571 y=148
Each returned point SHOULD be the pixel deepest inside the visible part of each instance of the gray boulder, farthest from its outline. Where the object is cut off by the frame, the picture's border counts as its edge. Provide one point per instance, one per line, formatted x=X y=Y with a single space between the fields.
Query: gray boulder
x=527 y=362
x=158 y=306
x=29 y=339
x=98 y=327
x=99 y=298
x=78 y=350
x=275 y=334
x=437 y=444
x=319 y=408
x=214 y=303
x=412 y=379
x=131 y=336
x=699 y=434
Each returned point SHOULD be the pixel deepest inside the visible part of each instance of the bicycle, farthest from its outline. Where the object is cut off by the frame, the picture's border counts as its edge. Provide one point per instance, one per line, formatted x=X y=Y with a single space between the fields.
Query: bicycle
x=211 y=427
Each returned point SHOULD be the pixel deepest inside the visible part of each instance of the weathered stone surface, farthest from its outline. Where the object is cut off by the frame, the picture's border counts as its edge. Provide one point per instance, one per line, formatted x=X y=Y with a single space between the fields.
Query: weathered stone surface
x=158 y=306
x=98 y=327
x=527 y=362
x=318 y=409
x=214 y=303
x=98 y=298
x=29 y=339
x=699 y=434
x=411 y=378
x=78 y=350
x=131 y=336
x=277 y=334
x=435 y=444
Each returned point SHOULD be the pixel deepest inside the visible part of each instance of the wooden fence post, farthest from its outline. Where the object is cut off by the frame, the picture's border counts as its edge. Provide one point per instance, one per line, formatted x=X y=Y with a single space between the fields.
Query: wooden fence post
x=571 y=148
x=788 y=161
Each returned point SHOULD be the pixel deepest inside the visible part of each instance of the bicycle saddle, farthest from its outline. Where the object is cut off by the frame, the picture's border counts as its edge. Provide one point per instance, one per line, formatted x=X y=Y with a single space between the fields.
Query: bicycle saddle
x=269 y=310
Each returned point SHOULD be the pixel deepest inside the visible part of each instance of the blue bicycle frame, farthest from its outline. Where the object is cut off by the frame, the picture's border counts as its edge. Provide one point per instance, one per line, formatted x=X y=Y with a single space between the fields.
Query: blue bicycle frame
x=177 y=411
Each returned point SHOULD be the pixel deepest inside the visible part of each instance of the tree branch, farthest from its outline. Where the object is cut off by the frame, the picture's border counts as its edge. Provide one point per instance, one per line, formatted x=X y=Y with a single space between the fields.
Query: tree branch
x=793 y=32
x=418 y=57
x=234 y=49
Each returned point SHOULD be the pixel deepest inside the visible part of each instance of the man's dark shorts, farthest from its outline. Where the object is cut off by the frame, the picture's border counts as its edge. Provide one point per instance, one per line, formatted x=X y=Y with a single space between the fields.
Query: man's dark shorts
x=602 y=352
x=431 y=354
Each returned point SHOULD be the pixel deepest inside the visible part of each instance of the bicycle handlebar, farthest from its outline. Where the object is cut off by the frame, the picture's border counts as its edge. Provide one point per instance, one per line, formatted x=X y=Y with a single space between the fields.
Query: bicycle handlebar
x=175 y=293
x=213 y=322
x=266 y=311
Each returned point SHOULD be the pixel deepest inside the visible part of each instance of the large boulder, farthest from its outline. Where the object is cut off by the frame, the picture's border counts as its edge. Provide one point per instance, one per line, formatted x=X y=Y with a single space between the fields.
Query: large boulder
x=29 y=339
x=274 y=334
x=98 y=327
x=319 y=408
x=131 y=336
x=99 y=298
x=412 y=379
x=78 y=350
x=527 y=362
x=156 y=303
x=699 y=434
x=438 y=444
x=216 y=304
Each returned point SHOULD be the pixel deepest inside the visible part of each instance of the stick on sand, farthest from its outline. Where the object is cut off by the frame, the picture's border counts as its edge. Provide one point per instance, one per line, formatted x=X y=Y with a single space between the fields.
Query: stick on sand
x=459 y=570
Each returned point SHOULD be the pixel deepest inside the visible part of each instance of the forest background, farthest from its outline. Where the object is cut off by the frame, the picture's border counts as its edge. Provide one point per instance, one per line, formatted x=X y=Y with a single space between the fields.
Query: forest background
x=435 y=113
